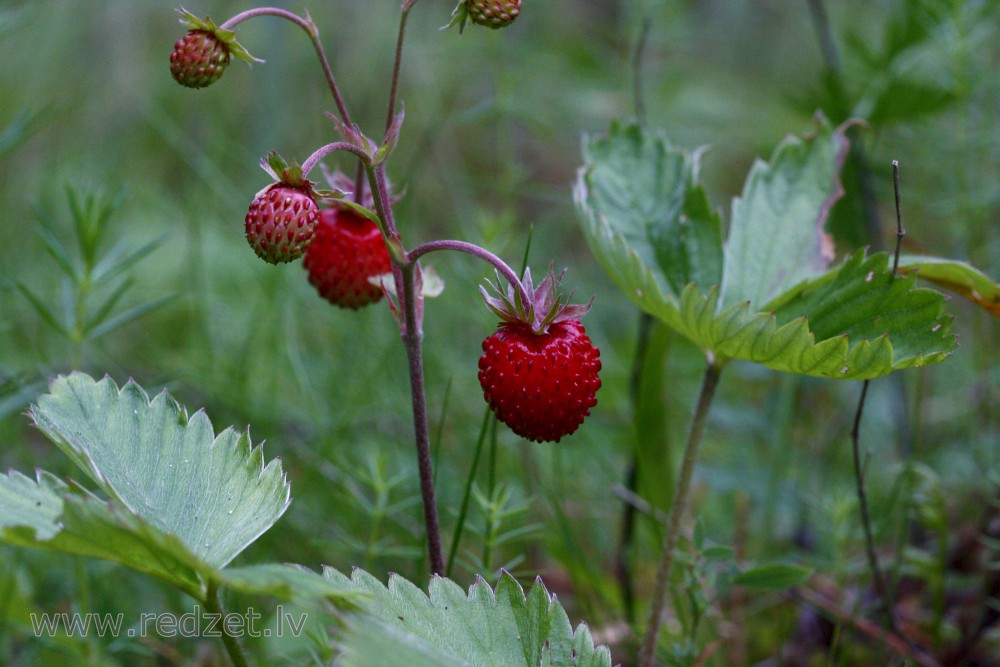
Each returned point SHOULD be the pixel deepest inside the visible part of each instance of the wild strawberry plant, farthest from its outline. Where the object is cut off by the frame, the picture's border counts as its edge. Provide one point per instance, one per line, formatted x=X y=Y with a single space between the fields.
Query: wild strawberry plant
x=171 y=498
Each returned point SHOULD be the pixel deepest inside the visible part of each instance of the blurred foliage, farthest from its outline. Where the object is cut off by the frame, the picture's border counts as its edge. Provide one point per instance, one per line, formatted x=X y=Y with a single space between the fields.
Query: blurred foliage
x=490 y=147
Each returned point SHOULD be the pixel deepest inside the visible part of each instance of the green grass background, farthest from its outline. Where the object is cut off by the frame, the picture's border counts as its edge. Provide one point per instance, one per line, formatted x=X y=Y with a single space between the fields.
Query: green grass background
x=488 y=152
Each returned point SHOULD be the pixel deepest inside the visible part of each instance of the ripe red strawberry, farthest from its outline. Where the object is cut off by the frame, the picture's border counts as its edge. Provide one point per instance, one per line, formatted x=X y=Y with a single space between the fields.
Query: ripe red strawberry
x=198 y=59
x=493 y=13
x=281 y=222
x=539 y=370
x=347 y=251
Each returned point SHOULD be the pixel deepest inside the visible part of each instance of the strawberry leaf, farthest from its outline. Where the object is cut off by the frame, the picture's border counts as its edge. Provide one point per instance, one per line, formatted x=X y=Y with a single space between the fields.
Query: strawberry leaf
x=782 y=306
x=451 y=626
x=776 y=237
x=637 y=187
x=959 y=277
x=213 y=493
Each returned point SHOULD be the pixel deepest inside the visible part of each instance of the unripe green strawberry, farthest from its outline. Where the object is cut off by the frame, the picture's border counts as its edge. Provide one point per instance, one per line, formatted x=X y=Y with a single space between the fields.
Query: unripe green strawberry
x=541 y=386
x=281 y=222
x=493 y=13
x=539 y=370
x=348 y=250
x=198 y=59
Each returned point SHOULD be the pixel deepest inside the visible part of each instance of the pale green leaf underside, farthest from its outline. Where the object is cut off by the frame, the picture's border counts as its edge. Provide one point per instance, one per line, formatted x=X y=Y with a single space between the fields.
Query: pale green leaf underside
x=213 y=493
x=449 y=627
x=45 y=513
x=647 y=191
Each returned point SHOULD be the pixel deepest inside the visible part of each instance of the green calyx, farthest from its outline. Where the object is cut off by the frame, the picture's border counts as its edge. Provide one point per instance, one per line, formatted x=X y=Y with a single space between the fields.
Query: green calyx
x=537 y=307
x=226 y=37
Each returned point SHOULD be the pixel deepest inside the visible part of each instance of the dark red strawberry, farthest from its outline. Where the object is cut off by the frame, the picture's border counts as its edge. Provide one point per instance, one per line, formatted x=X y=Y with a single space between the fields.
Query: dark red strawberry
x=347 y=252
x=539 y=370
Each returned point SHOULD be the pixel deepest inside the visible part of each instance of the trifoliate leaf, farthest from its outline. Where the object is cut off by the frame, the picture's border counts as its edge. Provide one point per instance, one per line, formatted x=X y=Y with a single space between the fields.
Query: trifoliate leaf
x=451 y=627
x=788 y=311
x=213 y=493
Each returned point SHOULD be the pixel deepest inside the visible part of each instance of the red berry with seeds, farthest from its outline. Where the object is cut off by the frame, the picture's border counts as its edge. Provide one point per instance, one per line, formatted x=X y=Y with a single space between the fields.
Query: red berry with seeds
x=346 y=254
x=199 y=59
x=541 y=386
x=539 y=370
x=281 y=222
x=493 y=13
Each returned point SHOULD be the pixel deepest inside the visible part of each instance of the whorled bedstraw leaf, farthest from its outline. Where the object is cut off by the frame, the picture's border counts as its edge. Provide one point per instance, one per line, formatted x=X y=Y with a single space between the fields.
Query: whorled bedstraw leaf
x=449 y=626
x=213 y=493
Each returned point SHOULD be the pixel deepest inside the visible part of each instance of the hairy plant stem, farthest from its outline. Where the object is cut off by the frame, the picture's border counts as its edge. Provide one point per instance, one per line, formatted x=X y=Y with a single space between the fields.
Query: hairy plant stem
x=310 y=28
x=710 y=381
x=413 y=339
x=213 y=603
x=406 y=272
x=476 y=251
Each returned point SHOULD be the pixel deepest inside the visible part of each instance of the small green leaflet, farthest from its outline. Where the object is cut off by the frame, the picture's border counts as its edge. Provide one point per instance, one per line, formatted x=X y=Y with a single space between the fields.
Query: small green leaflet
x=449 y=627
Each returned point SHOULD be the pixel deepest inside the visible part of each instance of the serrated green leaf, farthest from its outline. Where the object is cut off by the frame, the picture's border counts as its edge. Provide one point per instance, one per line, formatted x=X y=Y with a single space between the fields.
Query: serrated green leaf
x=773 y=576
x=449 y=626
x=637 y=189
x=956 y=276
x=854 y=321
x=287 y=582
x=46 y=514
x=776 y=236
x=213 y=493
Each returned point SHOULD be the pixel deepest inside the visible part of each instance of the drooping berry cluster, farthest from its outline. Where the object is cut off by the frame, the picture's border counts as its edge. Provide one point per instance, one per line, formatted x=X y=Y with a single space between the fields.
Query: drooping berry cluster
x=539 y=370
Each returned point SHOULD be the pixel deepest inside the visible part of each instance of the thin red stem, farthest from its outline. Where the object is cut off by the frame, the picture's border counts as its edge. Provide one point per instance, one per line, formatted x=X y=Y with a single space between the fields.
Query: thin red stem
x=476 y=251
x=323 y=151
x=310 y=28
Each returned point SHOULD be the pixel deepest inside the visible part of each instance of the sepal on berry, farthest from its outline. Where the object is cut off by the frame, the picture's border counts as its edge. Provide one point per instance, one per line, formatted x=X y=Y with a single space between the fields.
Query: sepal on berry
x=539 y=307
x=226 y=37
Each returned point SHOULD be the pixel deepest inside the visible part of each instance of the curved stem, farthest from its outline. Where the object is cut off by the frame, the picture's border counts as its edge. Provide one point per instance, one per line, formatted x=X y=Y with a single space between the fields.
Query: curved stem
x=213 y=603
x=323 y=151
x=310 y=28
x=709 y=382
x=476 y=251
